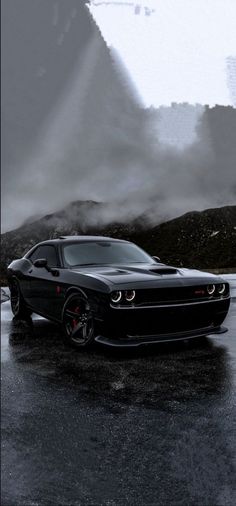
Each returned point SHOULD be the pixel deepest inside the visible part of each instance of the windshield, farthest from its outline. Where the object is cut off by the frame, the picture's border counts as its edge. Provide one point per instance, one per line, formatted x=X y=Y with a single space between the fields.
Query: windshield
x=92 y=253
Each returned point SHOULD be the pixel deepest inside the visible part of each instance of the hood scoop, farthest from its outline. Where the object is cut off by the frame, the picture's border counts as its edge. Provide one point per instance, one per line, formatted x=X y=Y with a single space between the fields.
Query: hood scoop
x=113 y=273
x=164 y=270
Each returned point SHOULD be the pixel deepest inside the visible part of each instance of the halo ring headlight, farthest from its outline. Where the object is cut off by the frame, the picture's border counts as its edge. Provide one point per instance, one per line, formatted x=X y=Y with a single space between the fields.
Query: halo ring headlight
x=211 y=289
x=130 y=295
x=221 y=288
x=116 y=296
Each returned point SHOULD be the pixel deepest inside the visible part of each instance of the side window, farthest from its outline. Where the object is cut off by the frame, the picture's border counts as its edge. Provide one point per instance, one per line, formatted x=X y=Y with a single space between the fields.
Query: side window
x=35 y=255
x=48 y=252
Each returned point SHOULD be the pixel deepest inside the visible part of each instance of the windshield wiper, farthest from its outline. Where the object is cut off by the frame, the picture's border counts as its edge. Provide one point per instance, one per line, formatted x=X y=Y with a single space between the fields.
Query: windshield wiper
x=83 y=265
x=107 y=263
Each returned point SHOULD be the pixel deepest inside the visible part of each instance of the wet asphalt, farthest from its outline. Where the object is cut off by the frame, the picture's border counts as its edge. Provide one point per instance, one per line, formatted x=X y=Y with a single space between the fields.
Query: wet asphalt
x=151 y=426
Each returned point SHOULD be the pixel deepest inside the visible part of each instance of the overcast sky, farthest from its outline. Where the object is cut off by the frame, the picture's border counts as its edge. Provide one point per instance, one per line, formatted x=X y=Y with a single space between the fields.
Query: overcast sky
x=175 y=50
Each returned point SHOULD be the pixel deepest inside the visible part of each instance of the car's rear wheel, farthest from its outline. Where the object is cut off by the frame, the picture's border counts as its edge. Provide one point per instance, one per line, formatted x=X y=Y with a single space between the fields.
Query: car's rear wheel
x=18 y=306
x=78 y=322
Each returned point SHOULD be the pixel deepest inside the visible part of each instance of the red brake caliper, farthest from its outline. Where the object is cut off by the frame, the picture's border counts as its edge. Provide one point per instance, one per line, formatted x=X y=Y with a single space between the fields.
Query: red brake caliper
x=76 y=310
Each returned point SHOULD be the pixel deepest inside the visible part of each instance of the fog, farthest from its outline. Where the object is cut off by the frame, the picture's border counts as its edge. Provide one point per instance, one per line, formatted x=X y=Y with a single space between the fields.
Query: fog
x=78 y=130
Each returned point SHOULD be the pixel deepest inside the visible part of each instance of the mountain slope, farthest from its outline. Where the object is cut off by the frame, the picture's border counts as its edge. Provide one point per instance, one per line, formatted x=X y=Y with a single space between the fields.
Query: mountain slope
x=204 y=239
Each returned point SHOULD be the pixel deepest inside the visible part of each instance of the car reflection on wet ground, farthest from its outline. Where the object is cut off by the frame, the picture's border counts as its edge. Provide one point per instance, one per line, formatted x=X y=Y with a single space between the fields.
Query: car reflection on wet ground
x=150 y=426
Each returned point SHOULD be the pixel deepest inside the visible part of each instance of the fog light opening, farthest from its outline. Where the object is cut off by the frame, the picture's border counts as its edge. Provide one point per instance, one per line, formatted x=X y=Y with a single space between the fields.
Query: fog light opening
x=116 y=296
x=130 y=295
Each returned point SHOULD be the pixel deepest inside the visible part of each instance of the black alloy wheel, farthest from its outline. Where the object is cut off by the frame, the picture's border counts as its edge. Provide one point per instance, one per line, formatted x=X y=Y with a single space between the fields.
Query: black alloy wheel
x=78 y=321
x=18 y=305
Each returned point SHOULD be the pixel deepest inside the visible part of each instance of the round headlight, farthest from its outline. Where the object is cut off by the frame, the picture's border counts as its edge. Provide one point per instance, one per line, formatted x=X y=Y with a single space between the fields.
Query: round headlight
x=221 y=289
x=116 y=297
x=129 y=295
x=211 y=289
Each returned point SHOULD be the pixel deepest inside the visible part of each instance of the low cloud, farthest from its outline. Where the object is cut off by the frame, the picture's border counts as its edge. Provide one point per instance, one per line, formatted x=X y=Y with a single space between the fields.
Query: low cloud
x=99 y=143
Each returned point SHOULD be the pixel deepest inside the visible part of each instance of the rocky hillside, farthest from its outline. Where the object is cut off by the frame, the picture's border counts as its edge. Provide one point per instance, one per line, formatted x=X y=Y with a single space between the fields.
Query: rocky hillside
x=204 y=240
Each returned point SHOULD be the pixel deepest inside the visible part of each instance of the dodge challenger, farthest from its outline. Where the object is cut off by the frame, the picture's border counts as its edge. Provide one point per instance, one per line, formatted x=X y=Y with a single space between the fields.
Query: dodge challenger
x=111 y=291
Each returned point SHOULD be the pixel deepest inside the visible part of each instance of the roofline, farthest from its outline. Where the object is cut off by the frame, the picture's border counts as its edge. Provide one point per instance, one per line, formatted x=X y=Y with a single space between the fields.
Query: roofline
x=87 y=237
x=75 y=238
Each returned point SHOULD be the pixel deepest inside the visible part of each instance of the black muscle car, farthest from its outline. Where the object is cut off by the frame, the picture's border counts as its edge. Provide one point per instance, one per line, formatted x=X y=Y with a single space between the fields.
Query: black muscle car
x=111 y=291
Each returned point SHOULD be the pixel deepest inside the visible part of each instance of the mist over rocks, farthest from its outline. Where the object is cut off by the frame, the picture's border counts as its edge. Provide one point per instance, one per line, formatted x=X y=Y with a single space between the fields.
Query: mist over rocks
x=74 y=128
x=204 y=240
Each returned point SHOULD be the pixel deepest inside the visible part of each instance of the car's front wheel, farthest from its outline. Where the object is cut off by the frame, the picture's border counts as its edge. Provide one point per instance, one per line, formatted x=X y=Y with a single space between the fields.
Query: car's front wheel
x=78 y=322
x=18 y=305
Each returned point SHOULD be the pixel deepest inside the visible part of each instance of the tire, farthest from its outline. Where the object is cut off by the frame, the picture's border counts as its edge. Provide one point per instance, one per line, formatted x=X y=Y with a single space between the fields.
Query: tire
x=78 y=322
x=18 y=306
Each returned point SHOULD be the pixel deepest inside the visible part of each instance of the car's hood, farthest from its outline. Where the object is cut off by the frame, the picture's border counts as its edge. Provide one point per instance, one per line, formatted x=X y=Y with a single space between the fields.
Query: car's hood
x=138 y=273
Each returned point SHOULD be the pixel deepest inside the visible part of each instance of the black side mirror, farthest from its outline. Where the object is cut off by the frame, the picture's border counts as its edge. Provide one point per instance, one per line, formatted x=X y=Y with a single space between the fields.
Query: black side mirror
x=41 y=262
x=157 y=259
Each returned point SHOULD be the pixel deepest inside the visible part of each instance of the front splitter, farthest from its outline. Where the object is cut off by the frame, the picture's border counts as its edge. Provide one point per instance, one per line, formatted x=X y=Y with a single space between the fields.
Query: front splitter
x=131 y=341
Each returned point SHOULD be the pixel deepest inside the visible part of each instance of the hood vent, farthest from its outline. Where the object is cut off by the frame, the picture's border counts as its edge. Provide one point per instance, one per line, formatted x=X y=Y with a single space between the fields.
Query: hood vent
x=112 y=273
x=164 y=270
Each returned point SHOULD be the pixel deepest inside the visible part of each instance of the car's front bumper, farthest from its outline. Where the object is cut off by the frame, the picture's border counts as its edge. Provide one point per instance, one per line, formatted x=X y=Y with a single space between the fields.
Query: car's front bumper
x=131 y=341
x=163 y=322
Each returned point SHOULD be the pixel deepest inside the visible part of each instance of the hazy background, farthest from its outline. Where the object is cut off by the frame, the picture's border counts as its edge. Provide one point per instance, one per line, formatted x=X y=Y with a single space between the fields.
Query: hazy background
x=76 y=125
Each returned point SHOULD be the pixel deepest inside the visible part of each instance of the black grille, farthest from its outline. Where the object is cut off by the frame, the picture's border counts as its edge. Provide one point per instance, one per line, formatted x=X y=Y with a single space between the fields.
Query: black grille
x=175 y=295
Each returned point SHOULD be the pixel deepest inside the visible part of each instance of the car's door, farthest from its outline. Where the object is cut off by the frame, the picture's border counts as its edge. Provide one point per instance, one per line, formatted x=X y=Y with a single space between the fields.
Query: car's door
x=42 y=291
